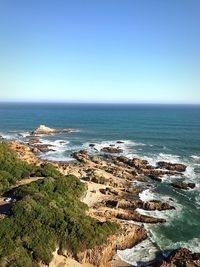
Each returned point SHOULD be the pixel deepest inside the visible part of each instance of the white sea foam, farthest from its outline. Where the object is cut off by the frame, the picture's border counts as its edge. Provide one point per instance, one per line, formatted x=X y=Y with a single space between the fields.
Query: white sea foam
x=14 y=135
x=166 y=244
x=56 y=157
x=8 y=136
x=163 y=157
x=154 y=158
x=168 y=215
x=190 y=172
x=193 y=245
x=146 y=251
x=24 y=134
x=57 y=144
x=146 y=195
x=59 y=147
x=195 y=157
x=127 y=146
x=197 y=200
x=143 y=252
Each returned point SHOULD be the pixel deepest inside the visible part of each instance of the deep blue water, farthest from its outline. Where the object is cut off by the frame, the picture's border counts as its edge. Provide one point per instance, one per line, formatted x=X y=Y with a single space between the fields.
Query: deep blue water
x=156 y=132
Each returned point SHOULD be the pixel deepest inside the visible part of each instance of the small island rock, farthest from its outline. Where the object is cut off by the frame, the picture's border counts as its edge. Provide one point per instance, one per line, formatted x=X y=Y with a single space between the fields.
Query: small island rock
x=42 y=129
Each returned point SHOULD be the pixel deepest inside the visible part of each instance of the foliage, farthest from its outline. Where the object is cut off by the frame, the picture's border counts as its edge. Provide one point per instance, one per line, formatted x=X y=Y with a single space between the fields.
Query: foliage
x=48 y=214
x=13 y=169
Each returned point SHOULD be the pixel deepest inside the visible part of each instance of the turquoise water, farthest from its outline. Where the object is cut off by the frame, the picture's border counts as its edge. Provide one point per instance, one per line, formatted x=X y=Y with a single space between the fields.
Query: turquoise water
x=166 y=132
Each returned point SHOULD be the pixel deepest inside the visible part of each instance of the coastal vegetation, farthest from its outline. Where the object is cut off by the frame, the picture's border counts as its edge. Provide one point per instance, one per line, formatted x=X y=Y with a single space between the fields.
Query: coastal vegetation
x=12 y=169
x=47 y=215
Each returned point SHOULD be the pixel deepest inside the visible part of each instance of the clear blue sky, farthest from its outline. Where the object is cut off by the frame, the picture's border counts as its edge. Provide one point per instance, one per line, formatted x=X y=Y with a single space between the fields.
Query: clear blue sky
x=100 y=51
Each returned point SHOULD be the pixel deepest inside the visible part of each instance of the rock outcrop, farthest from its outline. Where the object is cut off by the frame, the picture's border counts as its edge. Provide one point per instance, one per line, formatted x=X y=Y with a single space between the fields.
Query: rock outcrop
x=132 y=205
x=171 y=166
x=24 y=152
x=32 y=140
x=112 y=197
x=43 y=148
x=181 y=257
x=111 y=149
x=182 y=185
x=42 y=129
x=136 y=216
x=128 y=236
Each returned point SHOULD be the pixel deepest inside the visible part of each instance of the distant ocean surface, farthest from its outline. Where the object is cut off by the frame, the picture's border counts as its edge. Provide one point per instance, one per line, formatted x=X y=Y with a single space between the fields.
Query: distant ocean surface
x=153 y=132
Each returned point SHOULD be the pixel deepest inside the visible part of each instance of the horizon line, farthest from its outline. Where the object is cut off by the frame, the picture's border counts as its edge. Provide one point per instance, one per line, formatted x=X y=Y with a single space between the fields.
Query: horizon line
x=93 y=103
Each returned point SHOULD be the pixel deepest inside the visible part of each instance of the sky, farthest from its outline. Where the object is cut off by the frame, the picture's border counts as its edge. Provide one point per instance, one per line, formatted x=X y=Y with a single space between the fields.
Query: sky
x=107 y=51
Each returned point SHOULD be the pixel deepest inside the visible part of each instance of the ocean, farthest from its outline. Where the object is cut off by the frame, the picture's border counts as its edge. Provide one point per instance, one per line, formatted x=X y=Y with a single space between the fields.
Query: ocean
x=154 y=132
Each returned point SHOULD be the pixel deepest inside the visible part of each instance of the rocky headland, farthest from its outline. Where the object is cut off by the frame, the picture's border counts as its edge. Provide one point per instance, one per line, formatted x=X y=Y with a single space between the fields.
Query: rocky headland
x=111 y=196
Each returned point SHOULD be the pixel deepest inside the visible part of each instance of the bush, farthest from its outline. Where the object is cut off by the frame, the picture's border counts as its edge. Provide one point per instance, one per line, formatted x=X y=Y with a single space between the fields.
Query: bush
x=48 y=214
x=13 y=169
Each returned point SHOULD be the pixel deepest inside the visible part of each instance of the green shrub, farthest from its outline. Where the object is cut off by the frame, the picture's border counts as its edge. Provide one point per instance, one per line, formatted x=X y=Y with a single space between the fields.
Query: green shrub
x=13 y=169
x=49 y=214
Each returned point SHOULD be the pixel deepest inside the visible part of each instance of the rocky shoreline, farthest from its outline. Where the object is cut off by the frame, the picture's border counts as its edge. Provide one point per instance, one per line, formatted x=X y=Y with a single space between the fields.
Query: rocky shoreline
x=111 y=196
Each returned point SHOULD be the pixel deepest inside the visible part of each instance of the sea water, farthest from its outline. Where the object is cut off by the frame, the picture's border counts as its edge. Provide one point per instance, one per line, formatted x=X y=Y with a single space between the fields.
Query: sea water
x=153 y=132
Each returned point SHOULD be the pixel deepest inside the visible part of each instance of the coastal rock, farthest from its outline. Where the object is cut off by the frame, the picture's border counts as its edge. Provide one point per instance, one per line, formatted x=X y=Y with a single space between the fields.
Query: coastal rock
x=1 y=137
x=171 y=166
x=127 y=236
x=91 y=145
x=111 y=149
x=155 y=177
x=182 y=185
x=132 y=205
x=181 y=257
x=33 y=140
x=20 y=135
x=134 y=162
x=136 y=216
x=35 y=150
x=156 y=205
x=42 y=129
x=123 y=159
x=139 y=163
x=97 y=160
x=81 y=156
x=23 y=152
x=44 y=148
